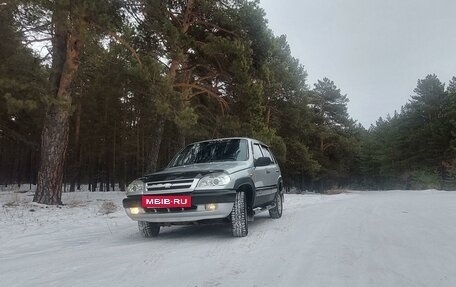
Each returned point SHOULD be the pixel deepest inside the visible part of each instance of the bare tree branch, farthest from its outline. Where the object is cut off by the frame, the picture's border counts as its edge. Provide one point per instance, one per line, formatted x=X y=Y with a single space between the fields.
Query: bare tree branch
x=127 y=45
x=35 y=40
x=205 y=90
x=40 y=28
x=196 y=94
x=205 y=23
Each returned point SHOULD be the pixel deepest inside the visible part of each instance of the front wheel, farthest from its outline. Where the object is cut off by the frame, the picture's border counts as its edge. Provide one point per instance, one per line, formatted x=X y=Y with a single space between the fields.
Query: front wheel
x=239 y=226
x=148 y=229
x=276 y=211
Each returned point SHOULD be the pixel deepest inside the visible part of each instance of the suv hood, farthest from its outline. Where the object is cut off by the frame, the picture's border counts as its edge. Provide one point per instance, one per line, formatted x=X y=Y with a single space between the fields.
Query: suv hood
x=197 y=170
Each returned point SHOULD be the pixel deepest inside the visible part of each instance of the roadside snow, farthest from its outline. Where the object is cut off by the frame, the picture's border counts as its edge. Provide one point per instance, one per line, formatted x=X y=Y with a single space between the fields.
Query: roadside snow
x=398 y=238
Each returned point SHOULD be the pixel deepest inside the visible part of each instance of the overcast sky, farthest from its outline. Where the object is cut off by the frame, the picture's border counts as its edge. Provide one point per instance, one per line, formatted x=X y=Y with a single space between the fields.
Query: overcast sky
x=373 y=50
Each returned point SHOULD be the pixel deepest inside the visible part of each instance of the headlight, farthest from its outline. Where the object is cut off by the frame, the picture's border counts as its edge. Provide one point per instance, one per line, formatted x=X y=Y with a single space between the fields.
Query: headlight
x=214 y=181
x=136 y=187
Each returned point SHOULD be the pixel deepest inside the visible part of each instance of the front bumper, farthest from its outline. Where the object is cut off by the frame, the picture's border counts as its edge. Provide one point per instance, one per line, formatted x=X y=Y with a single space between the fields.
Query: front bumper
x=223 y=198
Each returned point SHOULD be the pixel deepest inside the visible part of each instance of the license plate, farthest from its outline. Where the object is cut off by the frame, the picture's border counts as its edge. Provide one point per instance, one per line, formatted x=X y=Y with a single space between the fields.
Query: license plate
x=166 y=201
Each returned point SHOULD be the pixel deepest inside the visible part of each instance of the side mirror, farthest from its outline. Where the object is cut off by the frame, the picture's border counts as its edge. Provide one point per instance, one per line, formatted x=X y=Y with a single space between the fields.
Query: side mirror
x=263 y=161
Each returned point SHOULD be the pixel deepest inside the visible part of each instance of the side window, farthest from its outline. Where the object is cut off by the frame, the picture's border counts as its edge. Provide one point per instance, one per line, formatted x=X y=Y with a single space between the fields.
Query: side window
x=256 y=151
x=267 y=153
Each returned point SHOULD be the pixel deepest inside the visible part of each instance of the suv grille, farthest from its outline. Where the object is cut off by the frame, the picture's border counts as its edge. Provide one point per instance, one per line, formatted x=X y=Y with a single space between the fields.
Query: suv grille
x=171 y=186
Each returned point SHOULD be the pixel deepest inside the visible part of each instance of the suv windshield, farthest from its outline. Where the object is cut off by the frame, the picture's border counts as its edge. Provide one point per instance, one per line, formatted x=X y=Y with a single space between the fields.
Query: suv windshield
x=210 y=151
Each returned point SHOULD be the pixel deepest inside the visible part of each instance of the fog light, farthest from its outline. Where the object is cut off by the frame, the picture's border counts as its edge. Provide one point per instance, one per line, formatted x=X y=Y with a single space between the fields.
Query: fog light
x=134 y=210
x=211 y=206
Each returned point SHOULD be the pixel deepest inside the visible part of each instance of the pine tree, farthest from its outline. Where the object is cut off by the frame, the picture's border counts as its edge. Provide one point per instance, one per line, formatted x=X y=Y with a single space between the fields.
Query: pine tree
x=22 y=87
x=69 y=24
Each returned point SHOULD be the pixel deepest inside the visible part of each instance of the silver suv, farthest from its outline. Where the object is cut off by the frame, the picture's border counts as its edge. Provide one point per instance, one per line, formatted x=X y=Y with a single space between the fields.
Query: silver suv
x=227 y=179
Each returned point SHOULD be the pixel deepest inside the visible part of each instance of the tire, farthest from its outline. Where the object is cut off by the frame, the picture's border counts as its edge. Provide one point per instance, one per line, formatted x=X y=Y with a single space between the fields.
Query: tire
x=239 y=225
x=148 y=229
x=276 y=211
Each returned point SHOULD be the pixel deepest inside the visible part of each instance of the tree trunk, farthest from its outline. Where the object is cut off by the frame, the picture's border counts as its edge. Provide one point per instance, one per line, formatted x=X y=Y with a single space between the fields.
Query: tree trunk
x=54 y=141
x=122 y=159
x=123 y=177
x=15 y=174
x=268 y=115
x=75 y=176
x=54 y=138
x=155 y=145
x=114 y=177
x=181 y=139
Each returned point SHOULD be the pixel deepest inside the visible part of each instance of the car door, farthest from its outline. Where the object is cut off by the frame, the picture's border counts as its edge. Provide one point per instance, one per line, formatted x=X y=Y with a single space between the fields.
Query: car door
x=272 y=174
x=260 y=177
x=265 y=178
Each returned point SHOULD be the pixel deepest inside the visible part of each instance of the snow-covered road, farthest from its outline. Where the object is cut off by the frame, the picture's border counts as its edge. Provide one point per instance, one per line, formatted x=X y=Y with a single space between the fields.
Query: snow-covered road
x=399 y=238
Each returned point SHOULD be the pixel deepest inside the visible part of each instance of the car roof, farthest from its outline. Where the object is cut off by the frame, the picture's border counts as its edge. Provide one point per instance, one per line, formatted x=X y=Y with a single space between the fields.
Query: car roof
x=231 y=138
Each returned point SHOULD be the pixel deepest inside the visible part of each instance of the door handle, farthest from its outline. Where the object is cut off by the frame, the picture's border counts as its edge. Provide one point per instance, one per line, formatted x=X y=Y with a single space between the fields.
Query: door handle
x=277 y=170
x=267 y=171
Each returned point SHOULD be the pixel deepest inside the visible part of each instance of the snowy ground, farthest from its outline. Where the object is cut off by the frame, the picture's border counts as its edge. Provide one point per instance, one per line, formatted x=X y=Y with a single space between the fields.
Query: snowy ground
x=398 y=238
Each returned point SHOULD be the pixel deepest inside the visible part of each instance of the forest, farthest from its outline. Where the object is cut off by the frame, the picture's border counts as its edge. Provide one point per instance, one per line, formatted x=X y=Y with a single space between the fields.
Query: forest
x=100 y=92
